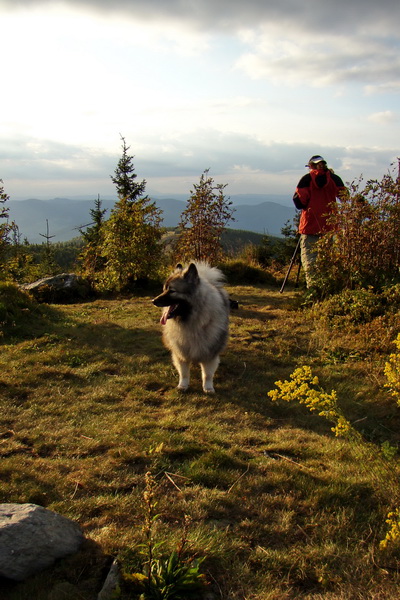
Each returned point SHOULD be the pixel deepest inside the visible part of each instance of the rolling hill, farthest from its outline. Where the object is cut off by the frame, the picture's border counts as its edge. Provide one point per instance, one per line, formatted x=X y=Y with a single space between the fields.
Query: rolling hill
x=66 y=216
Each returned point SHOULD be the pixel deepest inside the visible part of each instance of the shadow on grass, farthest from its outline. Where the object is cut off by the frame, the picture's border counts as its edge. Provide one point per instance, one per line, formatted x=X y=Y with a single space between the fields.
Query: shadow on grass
x=76 y=577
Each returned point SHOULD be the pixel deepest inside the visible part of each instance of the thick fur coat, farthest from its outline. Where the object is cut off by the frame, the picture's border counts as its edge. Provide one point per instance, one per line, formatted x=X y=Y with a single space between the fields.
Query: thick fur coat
x=195 y=320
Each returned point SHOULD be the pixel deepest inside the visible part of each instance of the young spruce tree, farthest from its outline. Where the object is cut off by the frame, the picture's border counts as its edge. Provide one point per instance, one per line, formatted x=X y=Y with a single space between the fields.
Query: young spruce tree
x=203 y=222
x=5 y=228
x=130 y=245
x=90 y=257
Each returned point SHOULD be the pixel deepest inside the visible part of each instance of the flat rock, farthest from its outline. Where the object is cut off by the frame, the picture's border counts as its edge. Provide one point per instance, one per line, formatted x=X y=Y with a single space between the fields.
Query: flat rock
x=32 y=538
x=65 y=287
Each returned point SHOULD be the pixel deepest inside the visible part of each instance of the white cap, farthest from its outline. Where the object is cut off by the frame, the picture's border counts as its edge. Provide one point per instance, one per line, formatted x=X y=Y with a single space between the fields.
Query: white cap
x=315 y=159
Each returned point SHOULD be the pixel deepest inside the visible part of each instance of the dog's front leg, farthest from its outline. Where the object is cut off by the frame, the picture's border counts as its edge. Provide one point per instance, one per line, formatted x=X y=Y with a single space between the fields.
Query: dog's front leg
x=207 y=373
x=183 y=369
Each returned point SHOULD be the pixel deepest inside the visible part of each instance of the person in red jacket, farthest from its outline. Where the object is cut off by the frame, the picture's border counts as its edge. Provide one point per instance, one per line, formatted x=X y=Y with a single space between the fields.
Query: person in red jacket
x=315 y=195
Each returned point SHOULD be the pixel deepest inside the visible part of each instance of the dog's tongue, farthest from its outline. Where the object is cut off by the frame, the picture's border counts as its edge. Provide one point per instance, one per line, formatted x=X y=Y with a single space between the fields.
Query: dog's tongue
x=165 y=314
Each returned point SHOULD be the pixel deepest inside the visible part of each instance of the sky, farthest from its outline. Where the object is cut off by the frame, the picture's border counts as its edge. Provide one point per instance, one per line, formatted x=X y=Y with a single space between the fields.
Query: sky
x=249 y=90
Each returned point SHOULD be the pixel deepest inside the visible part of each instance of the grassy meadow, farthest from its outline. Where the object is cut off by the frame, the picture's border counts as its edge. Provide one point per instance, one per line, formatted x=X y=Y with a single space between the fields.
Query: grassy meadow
x=280 y=508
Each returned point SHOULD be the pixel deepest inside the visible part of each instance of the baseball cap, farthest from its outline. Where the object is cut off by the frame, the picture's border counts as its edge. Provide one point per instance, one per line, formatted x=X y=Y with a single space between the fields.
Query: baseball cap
x=315 y=159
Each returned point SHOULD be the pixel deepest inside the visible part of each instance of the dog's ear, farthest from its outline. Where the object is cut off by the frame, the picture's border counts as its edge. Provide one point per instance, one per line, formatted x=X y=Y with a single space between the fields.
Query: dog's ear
x=178 y=267
x=192 y=273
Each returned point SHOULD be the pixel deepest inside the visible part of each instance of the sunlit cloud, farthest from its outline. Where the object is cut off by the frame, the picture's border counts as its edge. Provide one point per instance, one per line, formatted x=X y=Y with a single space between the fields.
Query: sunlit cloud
x=250 y=92
x=385 y=117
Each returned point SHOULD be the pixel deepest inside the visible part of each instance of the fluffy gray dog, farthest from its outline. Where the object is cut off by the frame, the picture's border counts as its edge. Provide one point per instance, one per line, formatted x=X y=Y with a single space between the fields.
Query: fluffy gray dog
x=196 y=320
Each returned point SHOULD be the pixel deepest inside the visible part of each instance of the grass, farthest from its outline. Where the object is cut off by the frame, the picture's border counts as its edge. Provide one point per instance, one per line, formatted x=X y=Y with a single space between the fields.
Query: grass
x=280 y=508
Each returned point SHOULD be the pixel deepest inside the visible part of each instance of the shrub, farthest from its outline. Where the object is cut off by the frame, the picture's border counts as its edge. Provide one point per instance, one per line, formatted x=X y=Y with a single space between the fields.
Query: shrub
x=391 y=296
x=304 y=388
x=19 y=312
x=355 y=306
x=239 y=272
x=364 y=247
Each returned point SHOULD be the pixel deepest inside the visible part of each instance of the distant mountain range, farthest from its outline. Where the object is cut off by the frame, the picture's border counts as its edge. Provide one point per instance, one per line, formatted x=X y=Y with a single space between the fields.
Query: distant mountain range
x=66 y=216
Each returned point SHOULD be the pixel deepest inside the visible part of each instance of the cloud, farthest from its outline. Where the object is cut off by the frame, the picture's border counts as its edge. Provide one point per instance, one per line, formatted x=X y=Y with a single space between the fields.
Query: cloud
x=313 y=15
x=29 y=158
x=246 y=164
x=385 y=117
x=326 y=60
x=322 y=43
x=188 y=98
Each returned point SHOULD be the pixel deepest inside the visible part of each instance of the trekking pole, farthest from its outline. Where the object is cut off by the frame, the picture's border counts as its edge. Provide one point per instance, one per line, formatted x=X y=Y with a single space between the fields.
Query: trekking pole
x=290 y=267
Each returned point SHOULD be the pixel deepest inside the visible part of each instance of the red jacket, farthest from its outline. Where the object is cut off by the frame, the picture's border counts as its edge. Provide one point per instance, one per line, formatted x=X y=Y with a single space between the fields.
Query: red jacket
x=316 y=195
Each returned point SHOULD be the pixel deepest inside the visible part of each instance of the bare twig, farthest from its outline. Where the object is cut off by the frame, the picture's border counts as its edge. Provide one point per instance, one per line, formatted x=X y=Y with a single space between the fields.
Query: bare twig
x=304 y=532
x=291 y=461
x=77 y=484
x=238 y=479
x=169 y=477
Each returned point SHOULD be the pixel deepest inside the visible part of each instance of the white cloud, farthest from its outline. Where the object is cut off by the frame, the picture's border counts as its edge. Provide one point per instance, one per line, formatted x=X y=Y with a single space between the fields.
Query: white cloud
x=385 y=118
x=325 y=60
x=192 y=86
x=49 y=169
x=387 y=87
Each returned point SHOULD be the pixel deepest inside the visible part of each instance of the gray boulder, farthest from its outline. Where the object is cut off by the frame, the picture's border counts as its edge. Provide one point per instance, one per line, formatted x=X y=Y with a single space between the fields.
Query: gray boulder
x=32 y=538
x=63 y=288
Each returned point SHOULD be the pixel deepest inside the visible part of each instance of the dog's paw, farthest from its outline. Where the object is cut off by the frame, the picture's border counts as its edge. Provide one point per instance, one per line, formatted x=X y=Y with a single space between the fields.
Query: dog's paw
x=208 y=390
x=182 y=388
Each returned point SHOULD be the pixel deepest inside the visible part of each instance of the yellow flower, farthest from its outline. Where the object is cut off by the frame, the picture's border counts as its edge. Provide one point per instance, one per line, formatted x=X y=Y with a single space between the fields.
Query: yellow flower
x=393 y=535
x=392 y=372
x=303 y=388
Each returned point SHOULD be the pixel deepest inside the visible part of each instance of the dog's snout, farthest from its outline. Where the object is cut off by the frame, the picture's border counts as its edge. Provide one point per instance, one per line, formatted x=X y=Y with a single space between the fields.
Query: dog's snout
x=157 y=301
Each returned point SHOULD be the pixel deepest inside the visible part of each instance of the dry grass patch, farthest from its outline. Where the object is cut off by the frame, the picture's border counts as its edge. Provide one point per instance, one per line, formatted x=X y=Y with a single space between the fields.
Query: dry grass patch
x=280 y=508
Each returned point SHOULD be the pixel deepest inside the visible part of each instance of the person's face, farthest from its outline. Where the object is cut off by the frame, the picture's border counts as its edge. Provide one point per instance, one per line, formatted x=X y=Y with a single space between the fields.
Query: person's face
x=319 y=166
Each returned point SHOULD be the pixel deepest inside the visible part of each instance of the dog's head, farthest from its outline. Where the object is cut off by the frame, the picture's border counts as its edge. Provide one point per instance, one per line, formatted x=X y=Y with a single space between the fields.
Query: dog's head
x=176 y=298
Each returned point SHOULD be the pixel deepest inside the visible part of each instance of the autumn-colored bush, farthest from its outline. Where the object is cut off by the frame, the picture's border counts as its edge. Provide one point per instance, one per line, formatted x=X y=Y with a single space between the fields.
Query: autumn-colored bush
x=364 y=247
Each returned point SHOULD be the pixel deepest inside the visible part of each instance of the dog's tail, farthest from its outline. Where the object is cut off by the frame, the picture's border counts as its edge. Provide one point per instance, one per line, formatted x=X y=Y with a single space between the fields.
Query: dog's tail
x=210 y=274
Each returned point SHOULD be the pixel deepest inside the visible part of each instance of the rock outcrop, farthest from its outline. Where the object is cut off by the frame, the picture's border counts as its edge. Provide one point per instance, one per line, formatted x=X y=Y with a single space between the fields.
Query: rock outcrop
x=63 y=288
x=32 y=538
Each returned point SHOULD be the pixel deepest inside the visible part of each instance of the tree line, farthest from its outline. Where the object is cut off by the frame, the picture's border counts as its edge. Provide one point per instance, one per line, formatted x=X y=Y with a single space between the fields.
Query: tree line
x=118 y=251
x=131 y=245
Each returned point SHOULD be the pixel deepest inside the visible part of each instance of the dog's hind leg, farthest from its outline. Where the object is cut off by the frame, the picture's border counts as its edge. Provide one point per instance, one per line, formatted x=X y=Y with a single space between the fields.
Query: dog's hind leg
x=183 y=369
x=207 y=373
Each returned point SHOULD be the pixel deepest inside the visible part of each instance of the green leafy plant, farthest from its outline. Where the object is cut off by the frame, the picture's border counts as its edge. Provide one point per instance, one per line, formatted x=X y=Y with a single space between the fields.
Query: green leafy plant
x=352 y=306
x=172 y=577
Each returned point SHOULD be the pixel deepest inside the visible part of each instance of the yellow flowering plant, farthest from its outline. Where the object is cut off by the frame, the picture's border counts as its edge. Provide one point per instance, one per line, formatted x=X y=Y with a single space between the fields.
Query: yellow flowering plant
x=304 y=388
x=392 y=372
x=393 y=534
